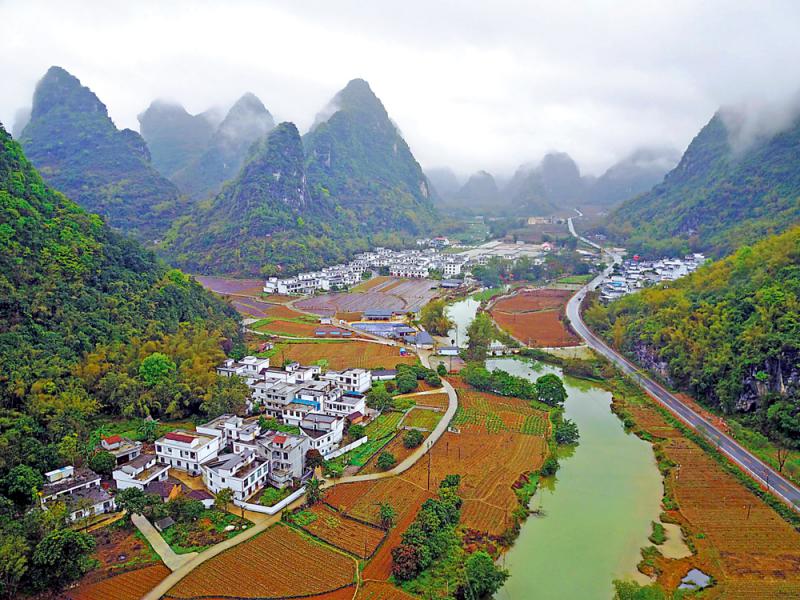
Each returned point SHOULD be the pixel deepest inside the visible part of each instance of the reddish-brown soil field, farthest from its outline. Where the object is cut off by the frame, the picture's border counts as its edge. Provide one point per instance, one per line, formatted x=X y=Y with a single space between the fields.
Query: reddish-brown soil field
x=534 y=318
x=533 y=300
x=746 y=546
x=432 y=400
x=372 y=283
x=394 y=294
x=394 y=447
x=279 y=562
x=131 y=585
x=422 y=418
x=279 y=311
x=346 y=534
x=340 y=355
x=250 y=307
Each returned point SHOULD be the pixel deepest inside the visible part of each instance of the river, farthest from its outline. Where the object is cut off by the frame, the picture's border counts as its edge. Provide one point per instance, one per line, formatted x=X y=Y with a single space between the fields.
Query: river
x=461 y=313
x=597 y=511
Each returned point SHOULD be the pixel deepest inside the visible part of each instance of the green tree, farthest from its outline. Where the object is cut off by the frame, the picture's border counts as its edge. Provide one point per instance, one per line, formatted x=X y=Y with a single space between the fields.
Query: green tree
x=14 y=552
x=406 y=382
x=147 y=430
x=387 y=514
x=313 y=491
x=102 y=462
x=412 y=438
x=441 y=369
x=22 y=485
x=550 y=389
x=157 y=369
x=386 y=461
x=132 y=500
x=229 y=396
x=480 y=333
x=566 y=432
x=223 y=498
x=549 y=467
x=69 y=448
x=63 y=556
x=356 y=432
x=378 y=398
x=433 y=318
x=483 y=576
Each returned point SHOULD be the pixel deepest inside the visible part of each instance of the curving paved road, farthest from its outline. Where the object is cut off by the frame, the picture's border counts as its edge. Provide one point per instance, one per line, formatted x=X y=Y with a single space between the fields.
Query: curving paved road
x=758 y=470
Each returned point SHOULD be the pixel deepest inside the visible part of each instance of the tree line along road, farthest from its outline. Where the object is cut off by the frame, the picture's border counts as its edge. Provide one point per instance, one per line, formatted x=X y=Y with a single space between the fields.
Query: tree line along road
x=753 y=466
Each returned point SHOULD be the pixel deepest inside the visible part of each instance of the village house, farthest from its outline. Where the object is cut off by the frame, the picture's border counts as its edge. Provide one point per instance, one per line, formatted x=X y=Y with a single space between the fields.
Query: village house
x=285 y=454
x=351 y=380
x=122 y=448
x=324 y=431
x=80 y=491
x=187 y=451
x=140 y=472
x=244 y=473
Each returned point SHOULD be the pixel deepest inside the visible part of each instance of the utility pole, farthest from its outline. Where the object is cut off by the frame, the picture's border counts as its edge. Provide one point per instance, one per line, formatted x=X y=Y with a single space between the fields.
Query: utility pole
x=429 y=470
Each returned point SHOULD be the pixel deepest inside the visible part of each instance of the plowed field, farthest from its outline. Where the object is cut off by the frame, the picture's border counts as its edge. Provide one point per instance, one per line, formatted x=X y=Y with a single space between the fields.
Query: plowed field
x=127 y=586
x=535 y=318
x=279 y=562
x=346 y=534
x=340 y=355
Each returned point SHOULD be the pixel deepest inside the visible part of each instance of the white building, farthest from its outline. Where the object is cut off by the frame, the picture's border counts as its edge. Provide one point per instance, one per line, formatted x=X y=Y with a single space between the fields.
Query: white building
x=187 y=451
x=248 y=367
x=244 y=473
x=139 y=472
x=350 y=380
x=80 y=491
x=324 y=431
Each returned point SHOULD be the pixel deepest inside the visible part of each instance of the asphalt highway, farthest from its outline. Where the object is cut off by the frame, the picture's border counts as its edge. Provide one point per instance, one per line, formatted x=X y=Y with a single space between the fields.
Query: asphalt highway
x=753 y=466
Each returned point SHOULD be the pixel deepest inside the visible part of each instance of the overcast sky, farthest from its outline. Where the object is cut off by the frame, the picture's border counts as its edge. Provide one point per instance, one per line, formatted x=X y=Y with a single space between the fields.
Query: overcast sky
x=471 y=84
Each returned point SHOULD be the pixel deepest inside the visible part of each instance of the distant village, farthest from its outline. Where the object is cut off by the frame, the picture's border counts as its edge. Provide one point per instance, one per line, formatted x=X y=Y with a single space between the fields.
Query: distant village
x=634 y=274
x=426 y=261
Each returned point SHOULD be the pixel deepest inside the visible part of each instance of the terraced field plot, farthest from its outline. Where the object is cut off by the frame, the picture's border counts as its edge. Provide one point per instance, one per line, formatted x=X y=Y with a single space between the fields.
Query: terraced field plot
x=392 y=294
x=422 y=418
x=131 y=585
x=535 y=318
x=751 y=552
x=277 y=563
x=228 y=285
x=343 y=354
x=432 y=400
x=395 y=447
x=338 y=530
x=480 y=411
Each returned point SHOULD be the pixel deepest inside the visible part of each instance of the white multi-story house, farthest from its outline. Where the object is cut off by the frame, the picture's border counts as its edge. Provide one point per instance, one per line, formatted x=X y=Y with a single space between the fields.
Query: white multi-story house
x=139 y=472
x=248 y=367
x=350 y=380
x=244 y=473
x=80 y=491
x=122 y=448
x=346 y=405
x=285 y=454
x=324 y=431
x=229 y=428
x=187 y=451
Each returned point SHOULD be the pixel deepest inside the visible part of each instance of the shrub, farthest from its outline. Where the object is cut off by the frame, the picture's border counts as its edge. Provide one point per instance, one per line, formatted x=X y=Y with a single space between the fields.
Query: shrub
x=549 y=467
x=412 y=438
x=386 y=461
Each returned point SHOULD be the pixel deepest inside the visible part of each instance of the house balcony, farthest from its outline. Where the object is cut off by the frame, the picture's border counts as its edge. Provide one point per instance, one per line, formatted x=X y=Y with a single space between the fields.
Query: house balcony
x=280 y=477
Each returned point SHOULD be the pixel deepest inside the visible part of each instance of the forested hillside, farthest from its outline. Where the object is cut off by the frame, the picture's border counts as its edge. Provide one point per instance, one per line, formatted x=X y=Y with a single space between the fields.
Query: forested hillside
x=729 y=334
x=77 y=148
x=720 y=196
x=351 y=184
x=70 y=284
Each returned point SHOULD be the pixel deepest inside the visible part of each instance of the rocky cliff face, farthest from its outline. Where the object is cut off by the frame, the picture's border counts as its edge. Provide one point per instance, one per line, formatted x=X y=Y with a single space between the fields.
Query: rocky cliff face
x=776 y=375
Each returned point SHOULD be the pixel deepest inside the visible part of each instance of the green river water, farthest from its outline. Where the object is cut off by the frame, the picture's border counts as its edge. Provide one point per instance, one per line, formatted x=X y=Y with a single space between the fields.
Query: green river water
x=597 y=511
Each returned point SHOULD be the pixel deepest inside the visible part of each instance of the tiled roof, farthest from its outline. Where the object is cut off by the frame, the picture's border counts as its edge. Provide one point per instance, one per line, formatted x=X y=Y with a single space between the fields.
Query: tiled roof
x=179 y=437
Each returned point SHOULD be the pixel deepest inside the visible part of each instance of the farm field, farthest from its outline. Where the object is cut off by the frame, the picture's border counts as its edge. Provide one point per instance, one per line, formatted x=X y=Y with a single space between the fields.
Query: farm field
x=395 y=294
x=130 y=585
x=395 y=447
x=250 y=307
x=432 y=400
x=484 y=412
x=343 y=354
x=534 y=318
x=347 y=534
x=267 y=567
x=749 y=550
x=422 y=418
x=370 y=284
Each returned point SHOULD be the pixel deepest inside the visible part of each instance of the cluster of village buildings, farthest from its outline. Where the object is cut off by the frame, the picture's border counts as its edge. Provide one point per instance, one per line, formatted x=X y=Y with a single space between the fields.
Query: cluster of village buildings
x=634 y=274
x=231 y=451
x=416 y=263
